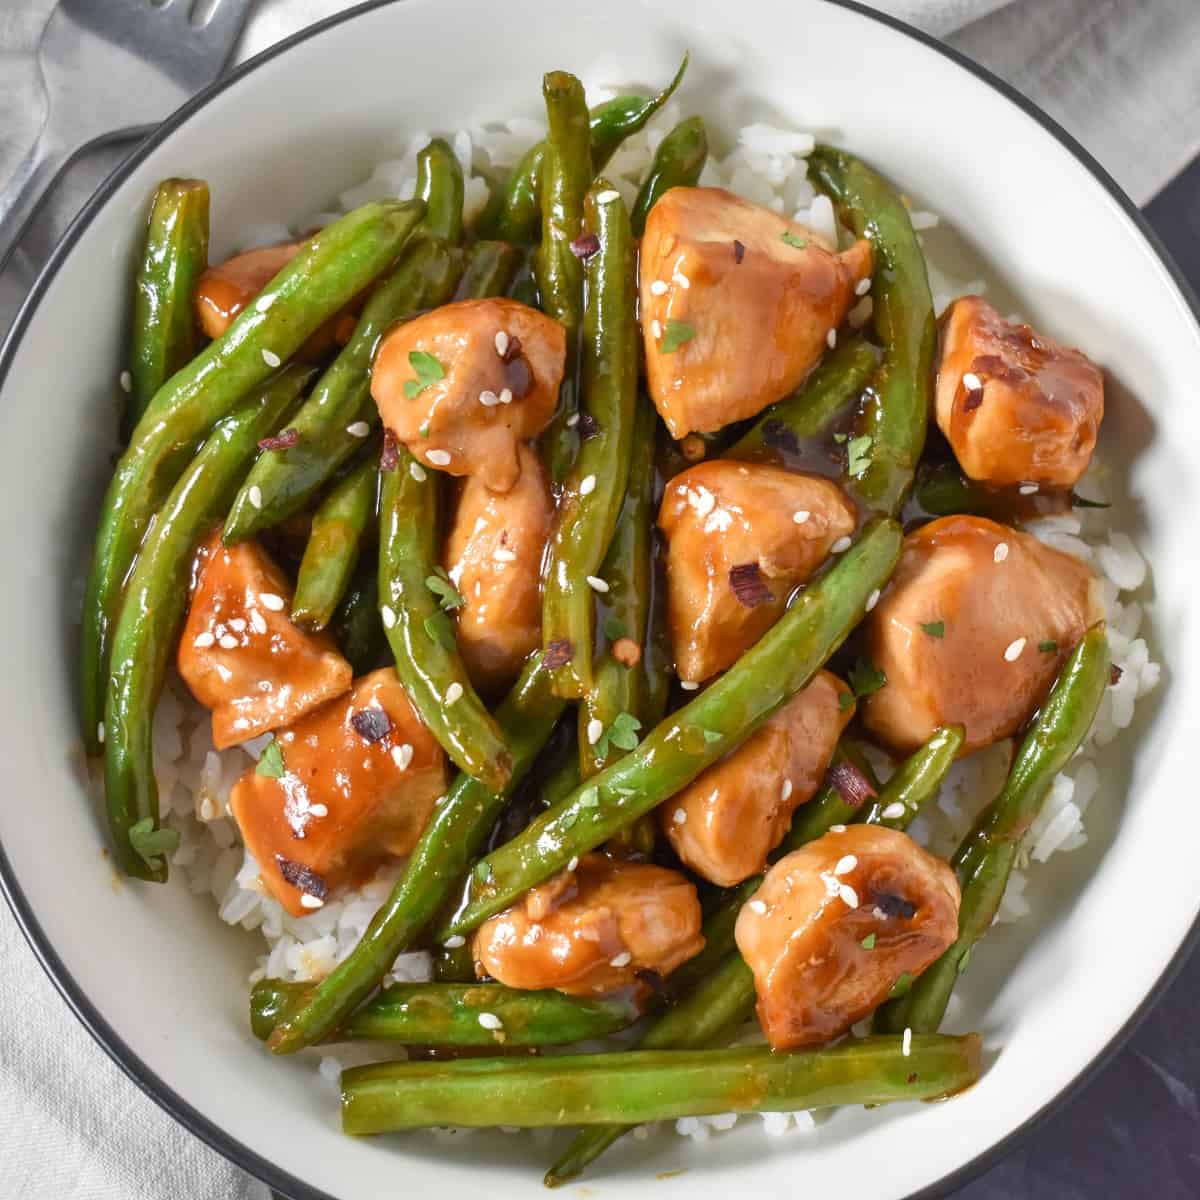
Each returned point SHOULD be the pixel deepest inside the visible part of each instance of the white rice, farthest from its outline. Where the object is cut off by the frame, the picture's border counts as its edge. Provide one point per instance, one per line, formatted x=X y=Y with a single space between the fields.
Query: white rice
x=766 y=165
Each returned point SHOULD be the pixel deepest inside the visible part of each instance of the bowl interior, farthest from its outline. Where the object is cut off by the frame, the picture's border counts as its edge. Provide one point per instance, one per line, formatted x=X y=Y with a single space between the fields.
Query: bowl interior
x=278 y=144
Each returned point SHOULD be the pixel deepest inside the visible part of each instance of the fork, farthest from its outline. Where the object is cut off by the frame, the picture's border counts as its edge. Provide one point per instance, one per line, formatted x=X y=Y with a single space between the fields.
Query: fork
x=112 y=69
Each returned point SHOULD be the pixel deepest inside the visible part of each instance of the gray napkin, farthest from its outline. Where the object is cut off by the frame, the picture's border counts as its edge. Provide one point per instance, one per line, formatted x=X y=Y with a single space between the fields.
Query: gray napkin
x=1122 y=75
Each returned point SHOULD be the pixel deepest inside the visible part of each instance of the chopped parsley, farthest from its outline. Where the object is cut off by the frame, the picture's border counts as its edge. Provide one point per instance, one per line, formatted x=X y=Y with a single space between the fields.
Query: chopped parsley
x=711 y=735
x=428 y=370
x=935 y=629
x=622 y=732
x=448 y=595
x=1048 y=647
x=858 y=455
x=483 y=871
x=868 y=943
x=150 y=844
x=676 y=334
x=792 y=240
x=845 y=700
x=270 y=761
x=589 y=798
x=866 y=677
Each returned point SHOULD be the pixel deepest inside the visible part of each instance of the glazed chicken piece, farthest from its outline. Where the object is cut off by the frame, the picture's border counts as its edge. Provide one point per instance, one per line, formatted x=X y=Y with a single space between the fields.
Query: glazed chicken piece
x=1004 y=610
x=494 y=557
x=803 y=933
x=1016 y=407
x=736 y=305
x=740 y=538
x=352 y=784
x=240 y=653
x=224 y=290
x=590 y=931
x=465 y=384
x=727 y=820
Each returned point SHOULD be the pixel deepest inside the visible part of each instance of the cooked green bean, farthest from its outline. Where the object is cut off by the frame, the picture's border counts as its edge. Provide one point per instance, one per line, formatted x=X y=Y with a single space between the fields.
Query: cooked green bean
x=711 y=725
x=984 y=861
x=617 y=119
x=491 y=269
x=357 y=624
x=916 y=780
x=654 y=1085
x=339 y=527
x=440 y=186
x=449 y=1014
x=896 y=414
x=147 y=629
x=454 y=964
x=174 y=257
x=678 y=162
x=330 y=271
x=331 y=425
x=456 y=833
x=595 y=486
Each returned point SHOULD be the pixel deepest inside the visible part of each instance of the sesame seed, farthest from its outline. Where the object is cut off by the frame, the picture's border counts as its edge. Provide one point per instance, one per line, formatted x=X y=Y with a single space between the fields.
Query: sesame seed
x=308 y=901
x=862 y=287
x=843 y=543
x=271 y=601
x=254 y=495
x=454 y=693
x=100 y=733
x=757 y=906
x=595 y=729
x=488 y=398
x=204 y=640
x=417 y=471
x=402 y=756
x=506 y=396
x=490 y=1021
x=837 y=829
x=845 y=864
x=785 y=790
x=439 y=458
x=801 y=516
x=658 y=288
x=257 y=621
x=573 y=863
x=681 y=279
x=454 y=941
x=265 y=301
x=971 y=382
x=597 y=584
x=572 y=420
x=229 y=642
x=656 y=329
x=680 y=816
x=622 y=960
x=1000 y=553
x=126 y=382
x=271 y=359
x=238 y=625
x=689 y=685
x=500 y=554
x=1013 y=650
x=893 y=812
x=1028 y=489
x=872 y=599
x=831 y=338
x=359 y=429
x=906 y=1043
x=388 y=613
x=608 y=196
x=501 y=341
x=318 y=810
x=848 y=895
x=587 y=485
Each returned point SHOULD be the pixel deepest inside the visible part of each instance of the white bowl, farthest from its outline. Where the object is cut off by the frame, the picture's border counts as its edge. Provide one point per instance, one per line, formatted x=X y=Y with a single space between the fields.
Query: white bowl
x=161 y=983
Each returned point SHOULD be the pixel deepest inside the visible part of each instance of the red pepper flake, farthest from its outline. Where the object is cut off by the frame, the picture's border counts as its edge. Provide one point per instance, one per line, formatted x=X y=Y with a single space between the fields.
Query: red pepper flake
x=371 y=724
x=1114 y=675
x=739 y=252
x=513 y=350
x=588 y=427
x=584 y=246
x=518 y=378
x=912 y=1078
x=284 y=440
x=849 y=783
x=558 y=654
x=892 y=905
x=389 y=456
x=302 y=877
x=748 y=585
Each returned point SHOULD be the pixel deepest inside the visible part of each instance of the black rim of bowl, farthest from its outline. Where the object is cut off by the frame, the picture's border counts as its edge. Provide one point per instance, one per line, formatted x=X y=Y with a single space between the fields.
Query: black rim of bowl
x=164 y=1095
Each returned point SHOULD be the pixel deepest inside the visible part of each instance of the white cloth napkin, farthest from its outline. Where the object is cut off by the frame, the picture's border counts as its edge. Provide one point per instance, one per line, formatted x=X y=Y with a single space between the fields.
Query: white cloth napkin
x=1122 y=75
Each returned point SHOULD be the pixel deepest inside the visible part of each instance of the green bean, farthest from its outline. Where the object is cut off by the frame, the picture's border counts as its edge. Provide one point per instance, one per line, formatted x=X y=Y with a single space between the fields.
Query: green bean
x=595 y=486
x=617 y=119
x=357 y=624
x=448 y=1014
x=491 y=269
x=835 y=384
x=420 y=633
x=678 y=162
x=693 y=738
x=440 y=186
x=915 y=781
x=148 y=627
x=339 y=527
x=653 y=1085
x=330 y=427
x=986 y=856
x=896 y=414
x=174 y=257
x=617 y=687
x=456 y=833
x=454 y=964
x=332 y=268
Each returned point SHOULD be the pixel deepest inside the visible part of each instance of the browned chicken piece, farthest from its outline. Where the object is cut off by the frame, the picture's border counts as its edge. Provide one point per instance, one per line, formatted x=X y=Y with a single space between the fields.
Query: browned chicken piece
x=464 y=385
x=1005 y=612
x=494 y=556
x=803 y=934
x=355 y=783
x=240 y=653
x=737 y=304
x=740 y=538
x=727 y=820
x=591 y=930
x=1015 y=406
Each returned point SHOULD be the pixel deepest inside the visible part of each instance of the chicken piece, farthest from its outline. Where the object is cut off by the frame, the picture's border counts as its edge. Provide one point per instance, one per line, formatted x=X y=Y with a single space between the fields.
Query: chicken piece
x=590 y=931
x=494 y=557
x=487 y=379
x=803 y=934
x=740 y=537
x=1015 y=406
x=240 y=653
x=972 y=630
x=755 y=296
x=355 y=782
x=727 y=820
